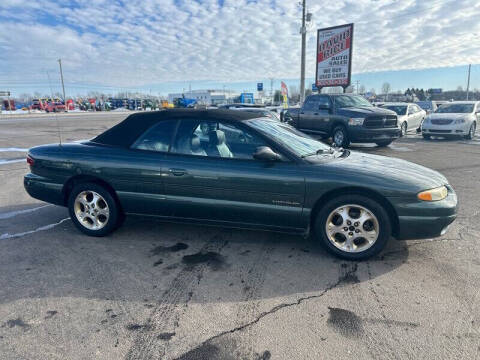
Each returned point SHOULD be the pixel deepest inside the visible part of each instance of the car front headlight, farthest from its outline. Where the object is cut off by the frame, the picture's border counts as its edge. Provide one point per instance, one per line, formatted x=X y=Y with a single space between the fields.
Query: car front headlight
x=460 y=121
x=356 y=121
x=436 y=194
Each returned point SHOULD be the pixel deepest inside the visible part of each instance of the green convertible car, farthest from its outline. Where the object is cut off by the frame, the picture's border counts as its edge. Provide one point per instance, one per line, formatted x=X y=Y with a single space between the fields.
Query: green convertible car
x=235 y=168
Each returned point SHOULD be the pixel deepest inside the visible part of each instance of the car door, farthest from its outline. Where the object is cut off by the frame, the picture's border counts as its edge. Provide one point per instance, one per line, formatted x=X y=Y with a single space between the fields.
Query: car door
x=306 y=112
x=135 y=172
x=220 y=181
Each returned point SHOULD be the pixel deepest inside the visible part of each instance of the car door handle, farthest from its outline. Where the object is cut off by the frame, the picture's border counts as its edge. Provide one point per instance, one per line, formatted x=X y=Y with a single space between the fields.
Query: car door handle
x=177 y=172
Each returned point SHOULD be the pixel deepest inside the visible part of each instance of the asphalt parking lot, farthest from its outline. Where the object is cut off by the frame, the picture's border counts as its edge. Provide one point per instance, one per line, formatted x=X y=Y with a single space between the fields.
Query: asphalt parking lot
x=161 y=290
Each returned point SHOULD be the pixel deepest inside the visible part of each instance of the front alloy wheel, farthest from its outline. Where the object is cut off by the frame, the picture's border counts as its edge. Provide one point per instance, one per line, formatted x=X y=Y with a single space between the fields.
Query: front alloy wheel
x=353 y=227
x=403 y=129
x=340 y=137
x=471 y=132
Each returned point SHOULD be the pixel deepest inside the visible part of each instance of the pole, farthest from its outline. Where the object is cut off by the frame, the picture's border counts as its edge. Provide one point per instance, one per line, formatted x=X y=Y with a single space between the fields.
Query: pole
x=468 y=81
x=303 y=31
x=63 y=86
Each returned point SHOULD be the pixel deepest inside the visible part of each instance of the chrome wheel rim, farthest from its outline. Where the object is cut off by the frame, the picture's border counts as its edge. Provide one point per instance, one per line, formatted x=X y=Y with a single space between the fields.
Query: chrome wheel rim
x=338 y=138
x=472 y=131
x=404 y=129
x=352 y=228
x=91 y=210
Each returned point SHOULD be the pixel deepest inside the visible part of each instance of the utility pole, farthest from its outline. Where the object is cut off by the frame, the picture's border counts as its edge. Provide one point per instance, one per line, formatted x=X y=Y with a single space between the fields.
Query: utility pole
x=468 y=81
x=303 y=31
x=358 y=81
x=63 y=86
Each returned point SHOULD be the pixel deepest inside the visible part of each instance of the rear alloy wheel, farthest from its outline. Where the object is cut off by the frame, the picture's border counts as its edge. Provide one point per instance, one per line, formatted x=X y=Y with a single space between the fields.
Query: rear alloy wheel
x=340 y=136
x=353 y=227
x=403 y=129
x=471 y=132
x=93 y=209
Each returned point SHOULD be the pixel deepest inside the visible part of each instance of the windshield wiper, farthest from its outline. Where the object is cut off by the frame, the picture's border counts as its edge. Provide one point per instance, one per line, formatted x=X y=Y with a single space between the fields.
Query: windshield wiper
x=320 y=151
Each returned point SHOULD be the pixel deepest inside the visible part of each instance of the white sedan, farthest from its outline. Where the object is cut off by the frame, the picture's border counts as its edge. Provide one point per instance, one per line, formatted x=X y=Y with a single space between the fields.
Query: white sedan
x=457 y=118
x=410 y=116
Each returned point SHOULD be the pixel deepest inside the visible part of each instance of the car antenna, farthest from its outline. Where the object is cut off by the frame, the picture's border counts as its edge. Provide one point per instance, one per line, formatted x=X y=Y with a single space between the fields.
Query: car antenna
x=55 y=115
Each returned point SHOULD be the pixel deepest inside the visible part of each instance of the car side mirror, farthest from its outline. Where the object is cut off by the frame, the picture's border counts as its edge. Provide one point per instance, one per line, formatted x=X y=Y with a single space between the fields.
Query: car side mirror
x=265 y=153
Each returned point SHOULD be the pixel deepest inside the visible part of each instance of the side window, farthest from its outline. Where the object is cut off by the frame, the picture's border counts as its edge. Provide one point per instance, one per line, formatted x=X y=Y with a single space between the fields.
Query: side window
x=310 y=103
x=241 y=144
x=323 y=101
x=411 y=110
x=214 y=139
x=157 y=138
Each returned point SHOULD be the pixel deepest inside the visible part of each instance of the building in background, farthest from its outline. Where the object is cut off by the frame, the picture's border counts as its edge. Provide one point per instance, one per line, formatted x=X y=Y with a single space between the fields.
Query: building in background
x=205 y=97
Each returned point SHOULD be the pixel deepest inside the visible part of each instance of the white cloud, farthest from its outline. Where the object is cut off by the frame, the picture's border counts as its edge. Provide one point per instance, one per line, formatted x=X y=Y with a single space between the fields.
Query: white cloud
x=145 y=42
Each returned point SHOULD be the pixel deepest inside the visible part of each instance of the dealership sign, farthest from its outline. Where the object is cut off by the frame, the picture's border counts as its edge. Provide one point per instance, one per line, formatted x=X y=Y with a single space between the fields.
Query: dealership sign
x=334 y=56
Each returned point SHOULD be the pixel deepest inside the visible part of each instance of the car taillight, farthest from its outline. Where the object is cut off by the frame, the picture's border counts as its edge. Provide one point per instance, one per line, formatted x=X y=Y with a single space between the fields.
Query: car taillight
x=30 y=160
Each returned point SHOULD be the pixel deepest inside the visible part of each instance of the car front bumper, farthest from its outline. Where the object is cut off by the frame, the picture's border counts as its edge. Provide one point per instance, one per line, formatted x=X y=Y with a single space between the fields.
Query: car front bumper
x=426 y=219
x=362 y=134
x=445 y=130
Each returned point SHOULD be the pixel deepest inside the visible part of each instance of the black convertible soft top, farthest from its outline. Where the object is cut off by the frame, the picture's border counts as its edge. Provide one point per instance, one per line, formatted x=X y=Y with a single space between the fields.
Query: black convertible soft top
x=126 y=132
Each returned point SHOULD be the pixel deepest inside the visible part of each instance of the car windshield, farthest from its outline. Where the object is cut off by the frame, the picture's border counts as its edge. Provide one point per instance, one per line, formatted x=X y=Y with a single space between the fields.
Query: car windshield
x=299 y=143
x=455 y=108
x=399 y=109
x=345 y=101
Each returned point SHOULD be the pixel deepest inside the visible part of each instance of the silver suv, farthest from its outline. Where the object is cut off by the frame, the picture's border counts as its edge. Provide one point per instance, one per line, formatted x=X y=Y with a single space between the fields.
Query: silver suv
x=457 y=118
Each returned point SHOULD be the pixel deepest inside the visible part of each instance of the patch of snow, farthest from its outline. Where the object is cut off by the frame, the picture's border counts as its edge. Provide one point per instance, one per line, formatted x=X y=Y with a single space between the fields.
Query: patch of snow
x=13 y=149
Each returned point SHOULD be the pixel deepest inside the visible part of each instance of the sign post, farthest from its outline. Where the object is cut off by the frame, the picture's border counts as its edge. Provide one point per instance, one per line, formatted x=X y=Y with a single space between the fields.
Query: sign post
x=334 y=56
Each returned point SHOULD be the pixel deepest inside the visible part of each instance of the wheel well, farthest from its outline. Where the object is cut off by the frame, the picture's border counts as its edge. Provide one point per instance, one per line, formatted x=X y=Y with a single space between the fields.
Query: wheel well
x=78 y=179
x=392 y=214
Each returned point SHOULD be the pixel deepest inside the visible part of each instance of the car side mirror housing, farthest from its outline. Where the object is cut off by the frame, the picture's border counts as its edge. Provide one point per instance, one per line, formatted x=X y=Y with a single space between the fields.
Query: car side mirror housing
x=265 y=153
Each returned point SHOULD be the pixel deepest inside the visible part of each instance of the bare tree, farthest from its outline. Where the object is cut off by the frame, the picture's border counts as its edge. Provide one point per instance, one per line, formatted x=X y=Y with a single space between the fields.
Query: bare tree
x=386 y=88
x=362 y=89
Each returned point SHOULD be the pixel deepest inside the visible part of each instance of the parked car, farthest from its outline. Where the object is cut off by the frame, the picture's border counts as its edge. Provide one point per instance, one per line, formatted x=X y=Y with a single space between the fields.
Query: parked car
x=430 y=106
x=345 y=118
x=261 y=112
x=38 y=104
x=410 y=116
x=232 y=168
x=457 y=118
x=56 y=106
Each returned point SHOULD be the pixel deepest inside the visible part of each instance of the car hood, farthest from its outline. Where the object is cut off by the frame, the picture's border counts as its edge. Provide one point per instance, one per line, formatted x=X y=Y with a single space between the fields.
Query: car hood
x=367 y=110
x=381 y=171
x=447 y=116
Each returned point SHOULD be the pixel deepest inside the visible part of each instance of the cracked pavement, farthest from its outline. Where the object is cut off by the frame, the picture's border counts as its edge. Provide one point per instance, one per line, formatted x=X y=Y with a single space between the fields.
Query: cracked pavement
x=157 y=290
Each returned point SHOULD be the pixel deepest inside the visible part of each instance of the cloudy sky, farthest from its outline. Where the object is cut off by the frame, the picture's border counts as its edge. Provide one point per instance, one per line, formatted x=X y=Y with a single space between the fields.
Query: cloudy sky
x=164 y=44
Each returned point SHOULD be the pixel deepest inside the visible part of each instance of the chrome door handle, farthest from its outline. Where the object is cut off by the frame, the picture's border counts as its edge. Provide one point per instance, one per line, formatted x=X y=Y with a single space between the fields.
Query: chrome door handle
x=177 y=172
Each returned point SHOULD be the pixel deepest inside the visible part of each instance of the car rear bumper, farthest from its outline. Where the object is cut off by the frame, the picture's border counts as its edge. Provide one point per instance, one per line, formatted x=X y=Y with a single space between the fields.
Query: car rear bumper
x=422 y=219
x=361 y=134
x=43 y=189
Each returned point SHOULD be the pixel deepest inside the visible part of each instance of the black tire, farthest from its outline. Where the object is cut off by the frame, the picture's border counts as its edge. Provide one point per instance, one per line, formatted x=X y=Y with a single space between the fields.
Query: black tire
x=471 y=132
x=114 y=218
x=426 y=137
x=403 y=129
x=340 y=136
x=384 y=143
x=374 y=207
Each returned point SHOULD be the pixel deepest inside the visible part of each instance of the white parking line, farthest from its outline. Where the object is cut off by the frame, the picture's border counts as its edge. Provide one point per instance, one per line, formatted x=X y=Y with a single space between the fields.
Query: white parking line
x=8 y=215
x=13 y=149
x=4 y=162
x=41 y=228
